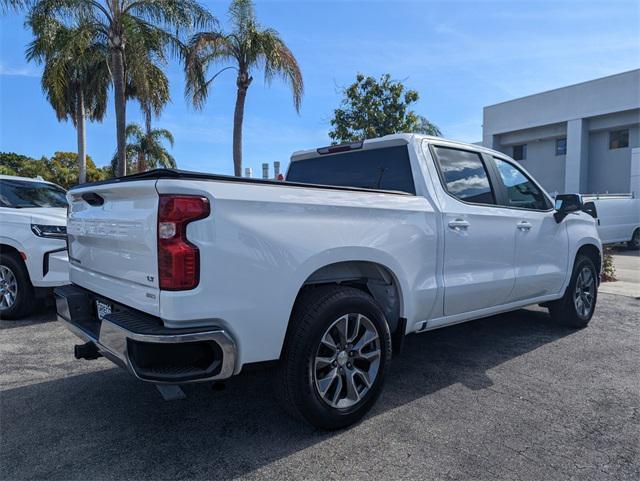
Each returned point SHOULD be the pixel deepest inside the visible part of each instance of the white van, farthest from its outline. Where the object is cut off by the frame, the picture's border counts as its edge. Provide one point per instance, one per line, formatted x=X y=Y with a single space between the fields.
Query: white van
x=618 y=218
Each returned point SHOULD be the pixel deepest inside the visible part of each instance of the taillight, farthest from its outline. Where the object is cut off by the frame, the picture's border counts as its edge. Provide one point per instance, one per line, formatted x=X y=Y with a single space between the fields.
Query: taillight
x=178 y=259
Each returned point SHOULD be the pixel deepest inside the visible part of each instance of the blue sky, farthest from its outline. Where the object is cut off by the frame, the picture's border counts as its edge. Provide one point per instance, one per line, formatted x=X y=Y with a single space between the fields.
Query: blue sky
x=460 y=56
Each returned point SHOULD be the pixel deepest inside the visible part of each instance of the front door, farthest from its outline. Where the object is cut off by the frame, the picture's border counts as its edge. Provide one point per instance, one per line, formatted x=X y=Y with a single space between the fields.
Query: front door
x=541 y=250
x=479 y=239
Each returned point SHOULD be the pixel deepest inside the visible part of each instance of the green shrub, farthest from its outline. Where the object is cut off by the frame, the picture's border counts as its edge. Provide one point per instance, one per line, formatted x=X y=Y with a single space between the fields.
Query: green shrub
x=608 y=268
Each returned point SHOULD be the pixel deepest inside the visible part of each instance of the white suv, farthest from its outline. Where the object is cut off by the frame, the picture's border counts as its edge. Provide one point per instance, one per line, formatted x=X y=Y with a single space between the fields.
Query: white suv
x=33 y=247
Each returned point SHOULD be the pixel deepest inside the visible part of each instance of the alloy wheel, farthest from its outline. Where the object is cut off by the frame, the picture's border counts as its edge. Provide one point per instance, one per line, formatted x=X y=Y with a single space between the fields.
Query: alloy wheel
x=8 y=288
x=347 y=360
x=584 y=293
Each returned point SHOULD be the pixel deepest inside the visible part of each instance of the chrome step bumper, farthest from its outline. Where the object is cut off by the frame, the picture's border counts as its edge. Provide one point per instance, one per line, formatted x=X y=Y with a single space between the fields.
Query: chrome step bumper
x=141 y=343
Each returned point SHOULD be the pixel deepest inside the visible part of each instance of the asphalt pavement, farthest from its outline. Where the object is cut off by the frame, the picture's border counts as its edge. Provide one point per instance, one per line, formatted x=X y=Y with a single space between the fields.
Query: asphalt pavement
x=511 y=397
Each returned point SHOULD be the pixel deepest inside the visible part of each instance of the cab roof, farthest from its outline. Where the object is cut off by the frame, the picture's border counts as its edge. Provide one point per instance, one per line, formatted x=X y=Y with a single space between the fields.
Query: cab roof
x=386 y=141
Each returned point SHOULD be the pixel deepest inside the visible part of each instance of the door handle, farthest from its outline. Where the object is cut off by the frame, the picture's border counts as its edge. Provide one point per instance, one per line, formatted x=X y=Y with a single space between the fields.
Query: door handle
x=524 y=225
x=458 y=224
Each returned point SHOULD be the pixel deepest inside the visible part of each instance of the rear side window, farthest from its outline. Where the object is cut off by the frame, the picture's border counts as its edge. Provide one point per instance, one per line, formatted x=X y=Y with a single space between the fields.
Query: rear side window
x=464 y=175
x=385 y=169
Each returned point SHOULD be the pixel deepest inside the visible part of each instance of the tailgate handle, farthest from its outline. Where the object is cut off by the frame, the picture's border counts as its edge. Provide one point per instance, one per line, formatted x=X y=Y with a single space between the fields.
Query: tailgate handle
x=93 y=199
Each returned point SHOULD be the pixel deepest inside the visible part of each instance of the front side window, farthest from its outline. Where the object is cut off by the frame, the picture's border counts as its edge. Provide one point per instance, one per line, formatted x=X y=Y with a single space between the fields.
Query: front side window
x=20 y=194
x=618 y=139
x=520 y=152
x=561 y=146
x=464 y=175
x=521 y=192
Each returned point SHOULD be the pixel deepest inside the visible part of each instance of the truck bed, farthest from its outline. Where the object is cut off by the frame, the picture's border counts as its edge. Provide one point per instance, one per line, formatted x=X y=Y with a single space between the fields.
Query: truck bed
x=259 y=244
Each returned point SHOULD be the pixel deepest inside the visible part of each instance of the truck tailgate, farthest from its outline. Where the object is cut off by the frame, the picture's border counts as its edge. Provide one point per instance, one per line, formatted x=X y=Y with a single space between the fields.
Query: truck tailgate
x=112 y=242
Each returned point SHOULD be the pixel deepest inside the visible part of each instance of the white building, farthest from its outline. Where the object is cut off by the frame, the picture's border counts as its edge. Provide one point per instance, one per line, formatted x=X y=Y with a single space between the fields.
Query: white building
x=573 y=139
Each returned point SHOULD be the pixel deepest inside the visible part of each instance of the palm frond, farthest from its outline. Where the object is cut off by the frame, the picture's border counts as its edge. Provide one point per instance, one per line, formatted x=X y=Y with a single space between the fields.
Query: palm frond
x=279 y=61
x=180 y=14
x=159 y=134
x=204 y=49
x=14 y=5
x=134 y=131
x=242 y=14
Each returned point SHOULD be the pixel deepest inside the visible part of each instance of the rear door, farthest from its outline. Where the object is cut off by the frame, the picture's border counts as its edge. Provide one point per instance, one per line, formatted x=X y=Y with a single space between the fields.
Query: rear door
x=479 y=237
x=112 y=242
x=542 y=245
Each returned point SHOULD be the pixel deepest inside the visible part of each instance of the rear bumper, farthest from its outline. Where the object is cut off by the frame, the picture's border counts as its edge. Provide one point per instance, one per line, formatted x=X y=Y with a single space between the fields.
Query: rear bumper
x=141 y=343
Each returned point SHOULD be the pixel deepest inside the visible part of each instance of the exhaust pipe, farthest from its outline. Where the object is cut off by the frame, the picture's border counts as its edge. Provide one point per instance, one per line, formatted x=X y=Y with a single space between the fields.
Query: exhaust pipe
x=87 y=351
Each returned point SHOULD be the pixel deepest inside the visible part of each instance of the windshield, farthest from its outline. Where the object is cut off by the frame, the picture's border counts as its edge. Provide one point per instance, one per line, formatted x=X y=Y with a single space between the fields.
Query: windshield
x=23 y=193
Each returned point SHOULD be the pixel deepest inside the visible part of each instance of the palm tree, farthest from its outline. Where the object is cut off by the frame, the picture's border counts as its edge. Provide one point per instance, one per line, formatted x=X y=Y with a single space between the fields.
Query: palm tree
x=247 y=46
x=152 y=95
x=147 y=83
x=145 y=150
x=75 y=79
x=116 y=24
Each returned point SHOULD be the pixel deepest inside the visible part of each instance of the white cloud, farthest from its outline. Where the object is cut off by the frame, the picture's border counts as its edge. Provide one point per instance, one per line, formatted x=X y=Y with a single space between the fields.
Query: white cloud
x=23 y=71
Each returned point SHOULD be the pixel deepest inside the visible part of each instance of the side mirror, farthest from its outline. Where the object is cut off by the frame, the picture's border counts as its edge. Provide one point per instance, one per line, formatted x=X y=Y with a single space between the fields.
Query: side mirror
x=590 y=208
x=565 y=205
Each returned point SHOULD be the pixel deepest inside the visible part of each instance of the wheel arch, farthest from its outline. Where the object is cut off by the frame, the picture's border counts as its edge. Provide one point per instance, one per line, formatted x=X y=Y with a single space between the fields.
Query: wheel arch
x=371 y=270
x=7 y=248
x=593 y=252
x=371 y=277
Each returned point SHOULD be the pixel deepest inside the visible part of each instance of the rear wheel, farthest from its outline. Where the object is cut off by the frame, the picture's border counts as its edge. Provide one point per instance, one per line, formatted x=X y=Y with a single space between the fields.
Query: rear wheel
x=16 y=291
x=634 y=243
x=576 y=308
x=335 y=357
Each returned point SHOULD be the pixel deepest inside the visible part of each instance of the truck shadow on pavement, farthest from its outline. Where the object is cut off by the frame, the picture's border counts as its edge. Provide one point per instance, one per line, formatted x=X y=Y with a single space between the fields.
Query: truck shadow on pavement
x=107 y=425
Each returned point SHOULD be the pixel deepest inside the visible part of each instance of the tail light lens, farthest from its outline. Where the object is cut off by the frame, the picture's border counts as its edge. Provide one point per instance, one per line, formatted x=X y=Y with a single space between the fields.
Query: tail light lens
x=178 y=259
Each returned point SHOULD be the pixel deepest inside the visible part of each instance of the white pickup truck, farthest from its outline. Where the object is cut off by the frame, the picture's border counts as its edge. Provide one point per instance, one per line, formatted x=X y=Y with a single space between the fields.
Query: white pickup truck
x=185 y=277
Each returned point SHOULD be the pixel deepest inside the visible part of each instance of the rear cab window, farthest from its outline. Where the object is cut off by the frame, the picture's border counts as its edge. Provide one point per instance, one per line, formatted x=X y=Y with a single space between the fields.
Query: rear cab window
x=385 y=168
x=464 y=175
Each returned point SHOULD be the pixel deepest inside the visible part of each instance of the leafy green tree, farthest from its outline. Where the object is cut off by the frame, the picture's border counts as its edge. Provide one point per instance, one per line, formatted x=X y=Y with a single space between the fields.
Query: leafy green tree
x=146 y=150
x=17 y=164
x=248 y=46
x=127 y=28
x=76 y=75
x=61 y=169
x=373 y=108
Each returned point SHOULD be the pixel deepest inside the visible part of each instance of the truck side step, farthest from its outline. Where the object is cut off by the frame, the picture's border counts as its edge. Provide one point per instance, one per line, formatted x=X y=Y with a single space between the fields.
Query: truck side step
x=170 y=392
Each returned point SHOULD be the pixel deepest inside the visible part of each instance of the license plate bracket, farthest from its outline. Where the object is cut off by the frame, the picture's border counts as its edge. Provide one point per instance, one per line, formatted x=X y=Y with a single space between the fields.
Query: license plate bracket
x=103 y=309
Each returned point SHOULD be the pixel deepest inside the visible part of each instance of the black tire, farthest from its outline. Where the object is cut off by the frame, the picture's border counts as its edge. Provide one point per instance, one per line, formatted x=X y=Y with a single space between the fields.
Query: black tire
x=315 y=312
x=565 y=311
x=24 y=299
x=634 y=243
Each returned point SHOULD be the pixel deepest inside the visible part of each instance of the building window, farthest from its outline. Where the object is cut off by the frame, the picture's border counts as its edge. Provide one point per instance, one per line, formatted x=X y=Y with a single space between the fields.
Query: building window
x=561 y=146
x=618 y=139
x=520 y=152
